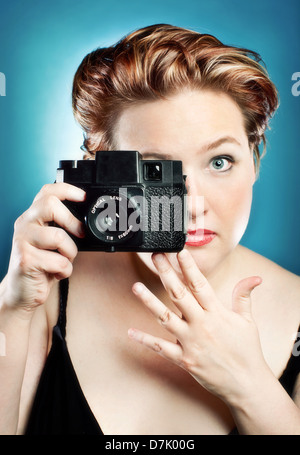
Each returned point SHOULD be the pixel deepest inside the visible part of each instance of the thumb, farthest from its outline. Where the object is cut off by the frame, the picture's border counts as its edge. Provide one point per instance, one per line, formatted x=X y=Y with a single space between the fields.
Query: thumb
x=241 y=296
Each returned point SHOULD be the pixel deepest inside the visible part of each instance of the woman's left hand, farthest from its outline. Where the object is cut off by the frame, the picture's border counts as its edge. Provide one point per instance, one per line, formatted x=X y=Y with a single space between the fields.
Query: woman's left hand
x=219 y=347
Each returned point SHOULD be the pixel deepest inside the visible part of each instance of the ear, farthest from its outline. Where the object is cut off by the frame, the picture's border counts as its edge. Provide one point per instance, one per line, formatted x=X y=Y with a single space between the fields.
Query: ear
x=255 y=164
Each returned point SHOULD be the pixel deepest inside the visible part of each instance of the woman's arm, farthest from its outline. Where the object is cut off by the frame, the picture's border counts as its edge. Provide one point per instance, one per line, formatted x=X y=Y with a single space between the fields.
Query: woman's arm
x=266 y=409
x=15 y=328
x=220 y=348
x=41 y=254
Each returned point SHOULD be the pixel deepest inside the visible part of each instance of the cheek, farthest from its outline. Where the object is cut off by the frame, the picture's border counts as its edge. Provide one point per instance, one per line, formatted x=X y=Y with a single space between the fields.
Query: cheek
x=234 y=208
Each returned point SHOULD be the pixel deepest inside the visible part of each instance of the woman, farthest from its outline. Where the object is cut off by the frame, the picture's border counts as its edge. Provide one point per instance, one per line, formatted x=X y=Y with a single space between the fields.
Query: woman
x=219 y=320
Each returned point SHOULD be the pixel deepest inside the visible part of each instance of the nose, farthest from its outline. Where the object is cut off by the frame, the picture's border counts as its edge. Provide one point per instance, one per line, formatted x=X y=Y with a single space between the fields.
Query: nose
x=197 y=204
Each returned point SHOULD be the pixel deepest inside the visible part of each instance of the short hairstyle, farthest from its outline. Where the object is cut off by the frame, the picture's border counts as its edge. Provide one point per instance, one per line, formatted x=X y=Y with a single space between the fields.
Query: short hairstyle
x=158 y=61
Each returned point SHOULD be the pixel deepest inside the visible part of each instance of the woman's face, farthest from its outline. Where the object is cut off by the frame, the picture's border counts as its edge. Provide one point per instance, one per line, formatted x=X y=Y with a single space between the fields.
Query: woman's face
x=205 y=130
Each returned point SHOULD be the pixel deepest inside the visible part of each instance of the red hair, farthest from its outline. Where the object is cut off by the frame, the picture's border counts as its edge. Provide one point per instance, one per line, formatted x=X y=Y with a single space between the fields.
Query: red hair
x=157 y=61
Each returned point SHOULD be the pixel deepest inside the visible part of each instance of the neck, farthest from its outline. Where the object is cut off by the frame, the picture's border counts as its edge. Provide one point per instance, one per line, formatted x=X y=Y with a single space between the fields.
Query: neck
x=225 y=276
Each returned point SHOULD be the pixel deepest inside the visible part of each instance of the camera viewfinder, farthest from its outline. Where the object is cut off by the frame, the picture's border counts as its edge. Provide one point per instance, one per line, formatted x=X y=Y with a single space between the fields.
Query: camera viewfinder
x=153 y=171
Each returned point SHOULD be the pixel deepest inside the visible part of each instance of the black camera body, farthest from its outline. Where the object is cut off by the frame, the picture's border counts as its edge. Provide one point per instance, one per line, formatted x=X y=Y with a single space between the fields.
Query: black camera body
x=131 y=204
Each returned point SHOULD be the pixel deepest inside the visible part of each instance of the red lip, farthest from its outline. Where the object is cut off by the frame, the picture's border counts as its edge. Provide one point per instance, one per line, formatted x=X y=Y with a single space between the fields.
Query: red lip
x=199 y=237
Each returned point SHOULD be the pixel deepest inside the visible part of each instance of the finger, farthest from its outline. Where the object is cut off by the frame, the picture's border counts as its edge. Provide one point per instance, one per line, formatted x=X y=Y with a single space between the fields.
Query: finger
x=165 y=348
x=52 y=238
x=176 y=289
x=57 y=265
x=63 y=191
x=241 y=296
x=196 y=281
x=167 y=318
x=35 y=261
x=51 y=209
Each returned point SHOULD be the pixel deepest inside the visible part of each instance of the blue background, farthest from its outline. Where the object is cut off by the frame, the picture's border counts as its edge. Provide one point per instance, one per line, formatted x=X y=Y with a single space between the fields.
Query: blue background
x=41 y=46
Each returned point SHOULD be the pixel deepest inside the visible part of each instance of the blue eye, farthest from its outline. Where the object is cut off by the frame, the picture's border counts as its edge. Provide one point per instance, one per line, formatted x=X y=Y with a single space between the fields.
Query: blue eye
x=221 y=163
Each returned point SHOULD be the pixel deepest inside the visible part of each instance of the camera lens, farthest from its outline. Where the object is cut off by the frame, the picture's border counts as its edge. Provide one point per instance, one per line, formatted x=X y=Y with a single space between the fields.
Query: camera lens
x=108 y=218
x=152 y=171
x=104 y=222
x=111 y=218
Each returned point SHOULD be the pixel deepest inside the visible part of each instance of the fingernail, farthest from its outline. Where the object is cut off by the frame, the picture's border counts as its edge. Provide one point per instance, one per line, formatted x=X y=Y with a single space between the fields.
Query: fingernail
x=81 y=231
x=182 y=254
x=131 y=333
x=158 y=257
x=80 y=194
x=138 y=288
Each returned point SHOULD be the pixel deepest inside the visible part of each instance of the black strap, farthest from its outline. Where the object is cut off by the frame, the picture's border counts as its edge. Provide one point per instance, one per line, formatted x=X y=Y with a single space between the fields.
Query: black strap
x=63 y=297
x=292 y=370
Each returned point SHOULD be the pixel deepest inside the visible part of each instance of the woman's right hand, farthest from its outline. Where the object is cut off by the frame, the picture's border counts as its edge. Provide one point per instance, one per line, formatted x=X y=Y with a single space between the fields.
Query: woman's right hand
x=41 y=252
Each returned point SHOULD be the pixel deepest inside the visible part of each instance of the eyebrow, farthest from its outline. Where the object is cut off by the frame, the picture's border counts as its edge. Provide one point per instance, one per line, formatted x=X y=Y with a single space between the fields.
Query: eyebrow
x=221 y=141
x=157 y=155
x=207 y=147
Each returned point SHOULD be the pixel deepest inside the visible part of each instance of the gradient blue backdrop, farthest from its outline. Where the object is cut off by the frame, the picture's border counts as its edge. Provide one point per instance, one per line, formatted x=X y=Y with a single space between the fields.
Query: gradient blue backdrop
x=43 y=42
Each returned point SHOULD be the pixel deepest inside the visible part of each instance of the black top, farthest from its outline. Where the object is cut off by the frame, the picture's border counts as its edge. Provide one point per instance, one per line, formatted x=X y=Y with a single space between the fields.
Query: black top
x=60 y=406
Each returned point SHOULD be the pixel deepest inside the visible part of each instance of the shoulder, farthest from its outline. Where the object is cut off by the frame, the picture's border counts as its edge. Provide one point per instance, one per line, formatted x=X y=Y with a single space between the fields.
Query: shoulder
x=269 y=269
x=279 y=285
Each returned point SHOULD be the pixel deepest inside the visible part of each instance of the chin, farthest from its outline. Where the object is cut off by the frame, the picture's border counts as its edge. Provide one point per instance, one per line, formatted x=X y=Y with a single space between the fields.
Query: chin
x=206 y=259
